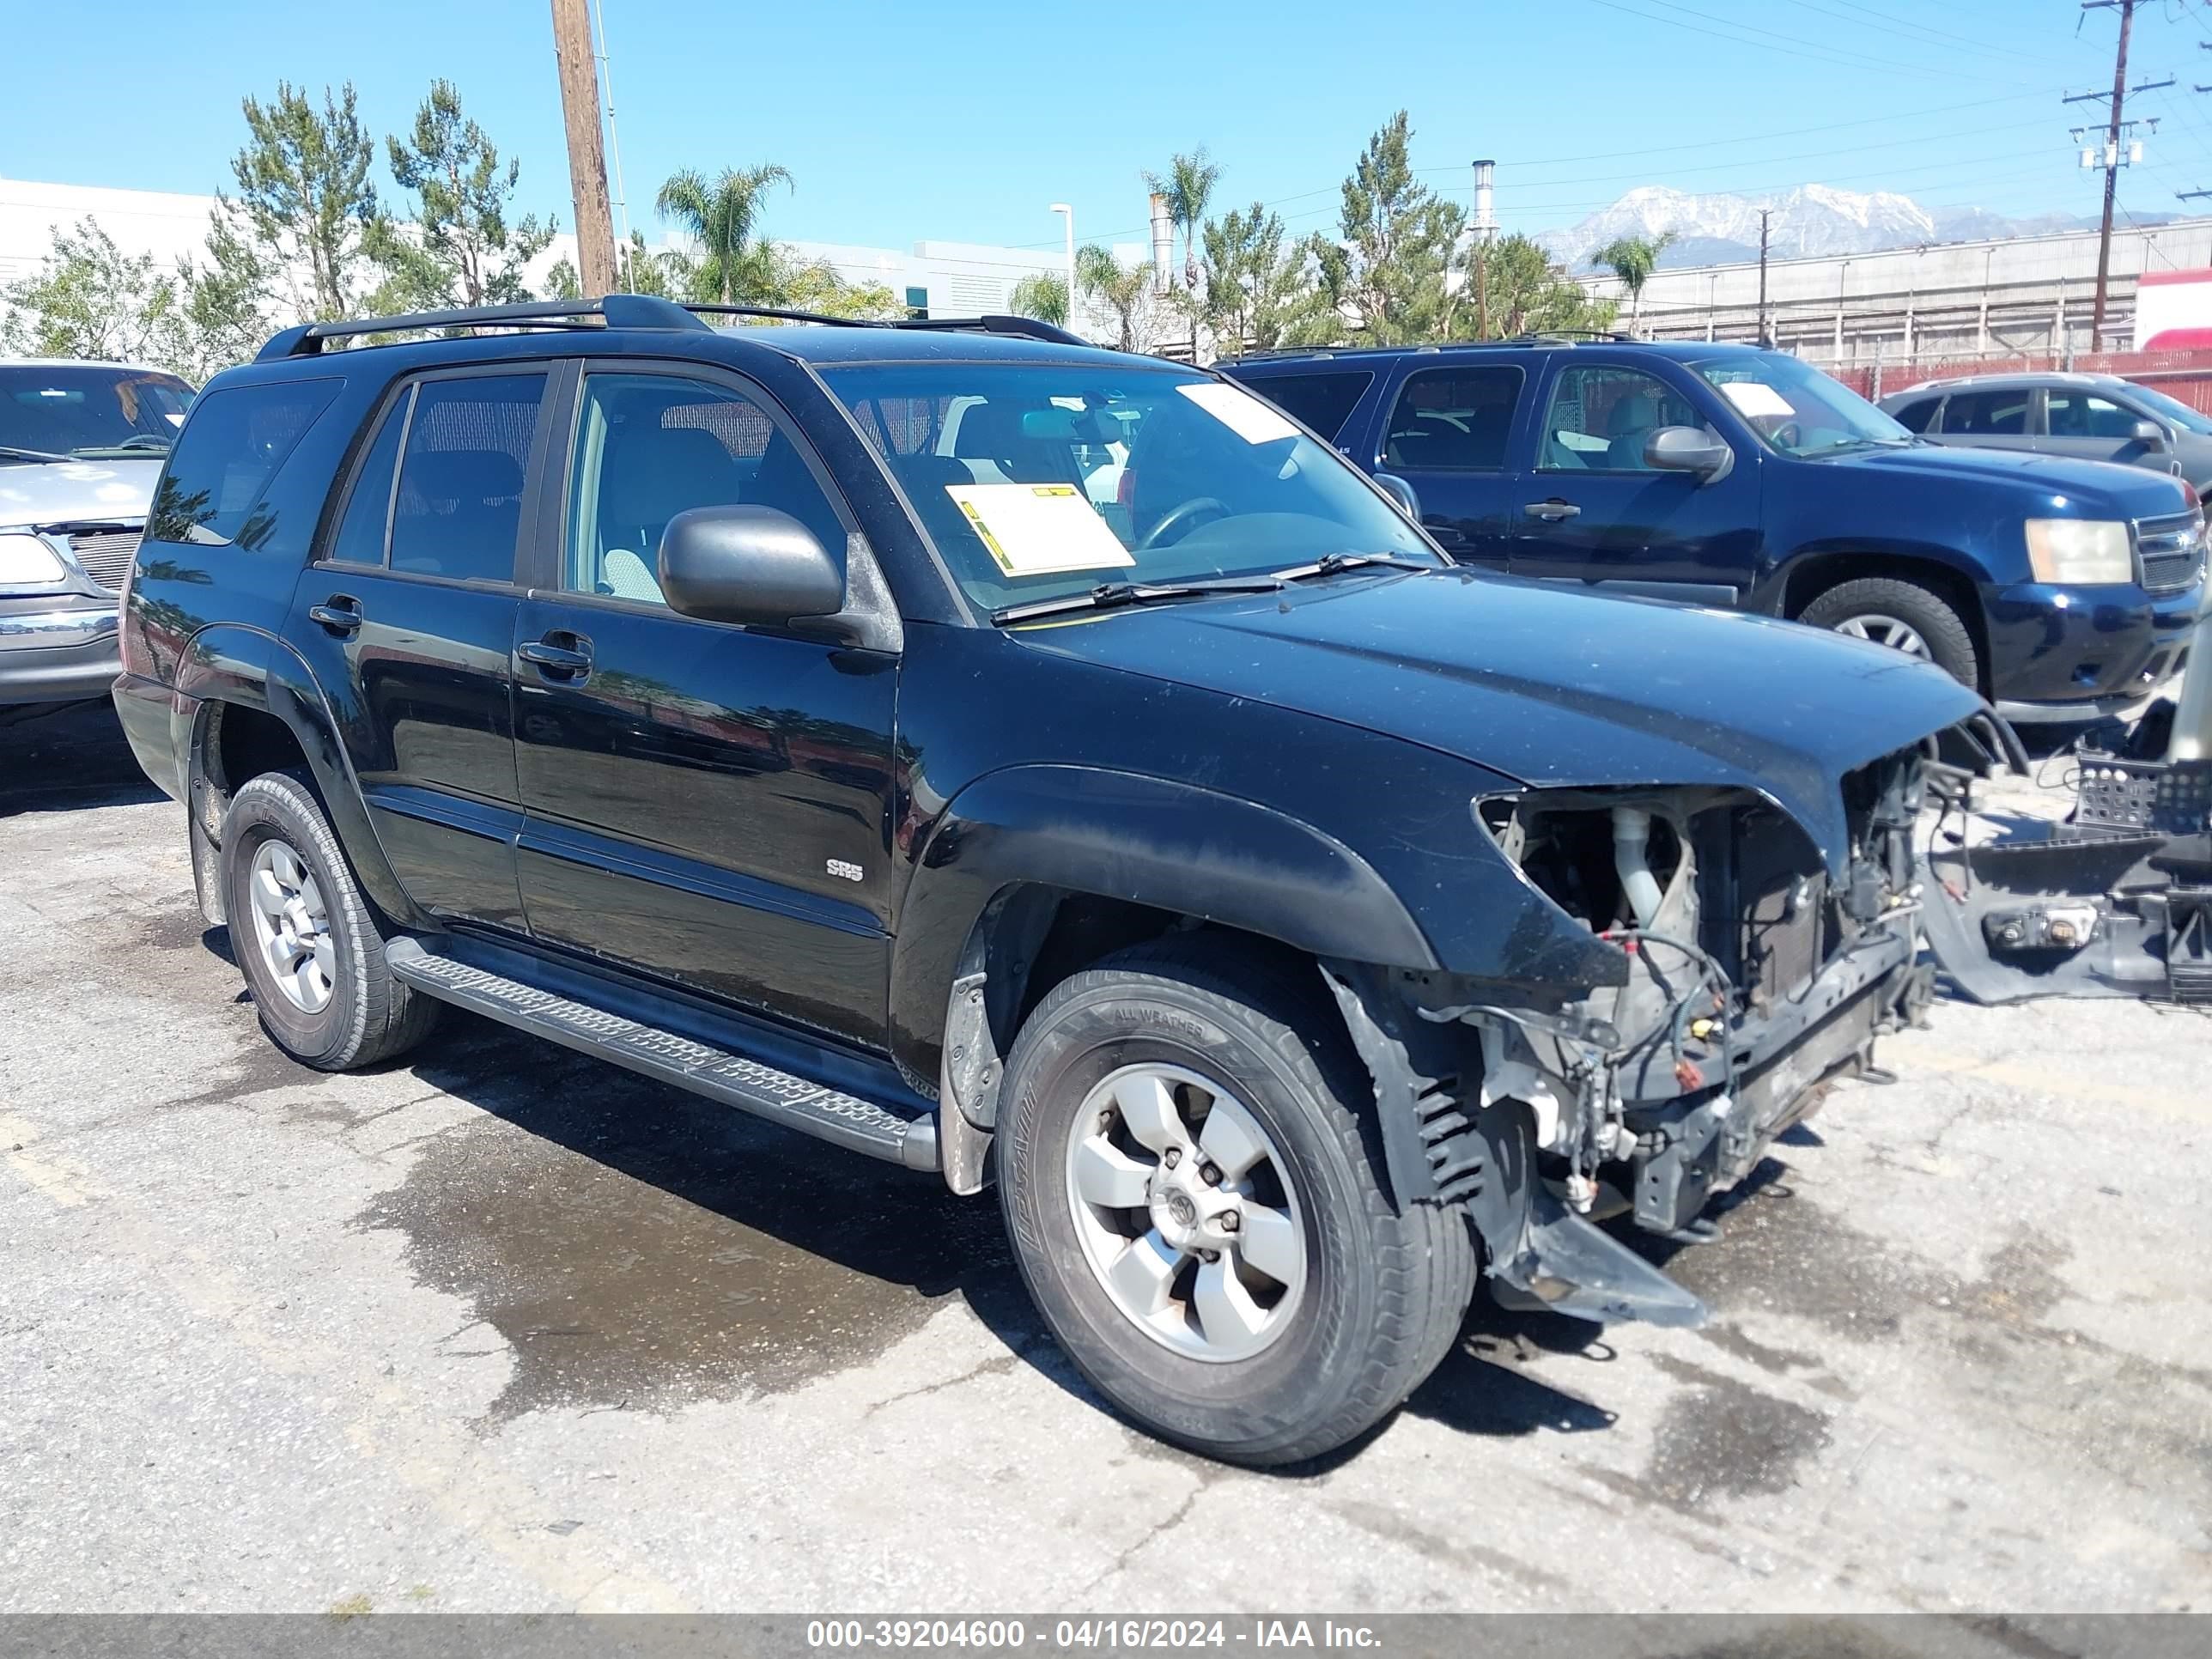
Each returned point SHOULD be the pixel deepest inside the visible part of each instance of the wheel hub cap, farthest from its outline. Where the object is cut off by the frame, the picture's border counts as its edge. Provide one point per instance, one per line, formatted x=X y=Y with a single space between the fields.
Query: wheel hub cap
x=1185 y=1212
x=291 y=926
x=1892 y=631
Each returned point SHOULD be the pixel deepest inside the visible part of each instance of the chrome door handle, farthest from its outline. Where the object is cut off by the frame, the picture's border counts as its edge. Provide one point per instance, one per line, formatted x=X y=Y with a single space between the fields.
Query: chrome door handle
x=558 y=661
x=341 y=615
x=1552 y=511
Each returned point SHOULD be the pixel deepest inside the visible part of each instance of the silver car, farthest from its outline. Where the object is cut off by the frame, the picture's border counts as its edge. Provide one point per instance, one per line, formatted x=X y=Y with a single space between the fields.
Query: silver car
x=81 y=445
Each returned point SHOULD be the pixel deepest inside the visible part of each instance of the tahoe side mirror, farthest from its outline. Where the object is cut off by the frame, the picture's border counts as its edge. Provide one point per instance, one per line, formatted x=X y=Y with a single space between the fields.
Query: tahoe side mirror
x=1688 y=449
x=2150 y=434
x=747 y=565
x=1401 y=492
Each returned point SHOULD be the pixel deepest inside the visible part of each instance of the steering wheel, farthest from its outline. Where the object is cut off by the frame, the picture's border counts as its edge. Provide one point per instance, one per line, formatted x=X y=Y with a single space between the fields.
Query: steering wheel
x=1176 y=514
x=1788 y=435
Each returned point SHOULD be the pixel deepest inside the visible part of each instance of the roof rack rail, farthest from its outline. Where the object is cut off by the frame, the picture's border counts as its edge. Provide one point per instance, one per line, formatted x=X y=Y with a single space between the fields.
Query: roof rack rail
x=629 y=311
x=1027 y=328
x=614 y=310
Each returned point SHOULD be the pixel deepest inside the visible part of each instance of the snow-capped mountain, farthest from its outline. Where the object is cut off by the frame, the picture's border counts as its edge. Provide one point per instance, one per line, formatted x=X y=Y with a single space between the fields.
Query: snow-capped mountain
x=1809 y=221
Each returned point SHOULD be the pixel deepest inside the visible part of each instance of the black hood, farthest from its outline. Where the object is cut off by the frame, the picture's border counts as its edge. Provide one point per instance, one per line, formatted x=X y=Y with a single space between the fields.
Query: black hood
x=1551 y=687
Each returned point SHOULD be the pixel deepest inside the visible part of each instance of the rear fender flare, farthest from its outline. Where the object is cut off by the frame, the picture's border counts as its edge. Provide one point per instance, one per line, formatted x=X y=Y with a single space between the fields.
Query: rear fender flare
x=229 y=664
x=1170 y=846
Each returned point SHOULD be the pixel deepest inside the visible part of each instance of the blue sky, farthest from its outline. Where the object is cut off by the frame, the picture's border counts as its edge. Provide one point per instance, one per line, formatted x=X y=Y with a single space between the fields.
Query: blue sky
x=965 y=121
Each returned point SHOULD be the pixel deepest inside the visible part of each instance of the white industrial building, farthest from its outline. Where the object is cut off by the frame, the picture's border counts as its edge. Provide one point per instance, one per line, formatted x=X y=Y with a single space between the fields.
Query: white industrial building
x=946 y=278
x=2027 y=296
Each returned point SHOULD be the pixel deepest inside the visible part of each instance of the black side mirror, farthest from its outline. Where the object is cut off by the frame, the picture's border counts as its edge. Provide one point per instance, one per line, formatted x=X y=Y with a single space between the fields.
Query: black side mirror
x=1688 y=449
x=2150 y=434
x=747 y=565
x=1401 y=492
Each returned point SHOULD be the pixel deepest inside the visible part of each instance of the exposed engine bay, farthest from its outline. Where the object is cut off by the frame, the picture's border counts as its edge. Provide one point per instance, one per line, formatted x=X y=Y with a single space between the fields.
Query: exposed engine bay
x=1747 y=975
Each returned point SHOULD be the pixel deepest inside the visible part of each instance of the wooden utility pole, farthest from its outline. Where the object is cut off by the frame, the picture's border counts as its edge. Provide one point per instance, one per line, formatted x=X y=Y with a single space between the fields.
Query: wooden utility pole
x=587 y=161
x=1764 y=213
x=2111 y=171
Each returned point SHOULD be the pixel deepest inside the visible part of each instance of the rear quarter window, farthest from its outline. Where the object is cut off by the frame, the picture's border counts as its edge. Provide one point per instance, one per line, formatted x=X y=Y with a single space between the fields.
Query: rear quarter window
x=233 y=443
x=1323 y=402
x=1915 y=416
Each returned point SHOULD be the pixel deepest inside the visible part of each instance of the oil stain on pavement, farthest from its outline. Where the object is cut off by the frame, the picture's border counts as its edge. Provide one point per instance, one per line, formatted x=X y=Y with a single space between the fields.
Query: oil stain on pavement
x=640 y=1248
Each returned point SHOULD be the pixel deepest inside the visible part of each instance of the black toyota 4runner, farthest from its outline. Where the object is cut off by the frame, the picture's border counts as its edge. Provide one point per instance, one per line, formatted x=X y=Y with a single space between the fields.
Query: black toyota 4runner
x=1028 y=763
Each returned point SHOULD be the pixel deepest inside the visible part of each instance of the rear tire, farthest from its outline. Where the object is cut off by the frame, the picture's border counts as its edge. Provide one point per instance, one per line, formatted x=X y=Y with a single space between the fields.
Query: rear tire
x=1324 y=1309
x=305 y=936
x=1889 y=611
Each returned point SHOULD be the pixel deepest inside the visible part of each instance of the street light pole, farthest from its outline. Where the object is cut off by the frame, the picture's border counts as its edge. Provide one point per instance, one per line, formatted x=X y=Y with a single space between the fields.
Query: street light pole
x=1068 y=214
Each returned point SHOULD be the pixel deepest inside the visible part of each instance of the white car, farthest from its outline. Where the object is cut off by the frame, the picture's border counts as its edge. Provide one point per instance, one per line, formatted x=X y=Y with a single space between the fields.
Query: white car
x=81 y=446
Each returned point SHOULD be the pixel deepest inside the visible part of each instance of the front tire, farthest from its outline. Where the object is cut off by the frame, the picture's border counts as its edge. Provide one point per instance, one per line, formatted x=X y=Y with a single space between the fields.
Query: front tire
x=1904 y=616
x=304 y=937
x=1152 y=1098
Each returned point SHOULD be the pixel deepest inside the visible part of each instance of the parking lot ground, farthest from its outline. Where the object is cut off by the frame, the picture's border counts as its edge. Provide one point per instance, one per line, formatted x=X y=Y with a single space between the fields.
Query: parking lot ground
x=505 y=1328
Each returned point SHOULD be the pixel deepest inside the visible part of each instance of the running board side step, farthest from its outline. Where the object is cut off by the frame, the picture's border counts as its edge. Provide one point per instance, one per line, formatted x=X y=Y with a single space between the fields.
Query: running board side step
x=781 y=1096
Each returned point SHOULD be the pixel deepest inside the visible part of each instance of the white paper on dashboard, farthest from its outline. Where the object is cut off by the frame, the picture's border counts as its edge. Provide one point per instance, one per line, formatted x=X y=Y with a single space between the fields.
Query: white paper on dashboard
x=1039 y=530
x=1755 y=398
x=1242 y=413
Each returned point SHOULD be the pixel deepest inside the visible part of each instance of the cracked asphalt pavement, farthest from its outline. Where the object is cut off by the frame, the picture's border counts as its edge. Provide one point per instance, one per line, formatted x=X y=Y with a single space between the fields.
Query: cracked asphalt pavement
x=505 y=1328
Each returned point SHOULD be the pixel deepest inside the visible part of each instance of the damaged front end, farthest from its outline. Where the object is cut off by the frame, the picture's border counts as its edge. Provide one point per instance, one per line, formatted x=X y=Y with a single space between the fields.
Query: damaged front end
x=1742 y=971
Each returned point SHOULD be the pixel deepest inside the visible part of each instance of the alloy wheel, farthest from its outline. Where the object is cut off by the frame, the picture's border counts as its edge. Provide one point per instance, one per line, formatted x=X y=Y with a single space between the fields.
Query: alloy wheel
x=292 y=926
x=1186 y=1213
x=1896 y=634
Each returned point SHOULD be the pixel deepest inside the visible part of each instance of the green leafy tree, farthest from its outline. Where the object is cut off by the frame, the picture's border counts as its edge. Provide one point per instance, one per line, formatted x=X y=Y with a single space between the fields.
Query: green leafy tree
x=1125 y=293
x=1043 y=297
x=786 y=280
x=463 y=246
x=1631 y=259
x=1524 y=292
x=721 y=217
x=1387 y=267
x=1260 y=291
x=225 y=300
x=306 y=199
x=1188 y=184
x=92 y=299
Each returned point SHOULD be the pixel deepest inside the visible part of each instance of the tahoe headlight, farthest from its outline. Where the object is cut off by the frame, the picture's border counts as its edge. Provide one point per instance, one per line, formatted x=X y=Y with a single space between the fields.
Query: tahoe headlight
x=27 y=561
x=2090 y=551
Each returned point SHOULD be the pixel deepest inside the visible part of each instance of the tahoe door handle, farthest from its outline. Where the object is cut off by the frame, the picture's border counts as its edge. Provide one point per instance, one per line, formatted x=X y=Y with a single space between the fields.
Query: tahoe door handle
x=556 y=660
x=341 y=614
x=1552 y=511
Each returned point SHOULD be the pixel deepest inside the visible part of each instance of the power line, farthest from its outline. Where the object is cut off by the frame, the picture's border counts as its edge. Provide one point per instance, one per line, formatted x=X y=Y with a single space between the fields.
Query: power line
x=1889 y=67
x=1889 y=21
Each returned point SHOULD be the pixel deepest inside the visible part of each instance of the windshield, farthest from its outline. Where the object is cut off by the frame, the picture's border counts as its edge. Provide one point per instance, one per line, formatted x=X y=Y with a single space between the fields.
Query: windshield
x=78 y=409
x=2172 y=409
x=1797 y=410
x=1037 y=480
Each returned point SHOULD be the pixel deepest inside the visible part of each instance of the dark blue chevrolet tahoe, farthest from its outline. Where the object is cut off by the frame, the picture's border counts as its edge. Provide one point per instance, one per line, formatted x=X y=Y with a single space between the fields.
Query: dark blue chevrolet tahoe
x=1729 y=476
x=1291 y=922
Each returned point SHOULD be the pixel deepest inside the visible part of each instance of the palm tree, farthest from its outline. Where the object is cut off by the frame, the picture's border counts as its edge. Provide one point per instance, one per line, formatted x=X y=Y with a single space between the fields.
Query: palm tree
x=721 y=217
x=1188 y=185
x=1633 y=259
x=1126 y=293
x=1043 y=297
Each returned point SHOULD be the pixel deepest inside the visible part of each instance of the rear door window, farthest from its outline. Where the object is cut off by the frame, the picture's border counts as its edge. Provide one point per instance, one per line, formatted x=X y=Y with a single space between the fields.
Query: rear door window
x=1915 y=417
x=1323 y=402
x=1454 y=420
x=361 y=532
x=1987 y=414
x=458 y=506
x=230 y=448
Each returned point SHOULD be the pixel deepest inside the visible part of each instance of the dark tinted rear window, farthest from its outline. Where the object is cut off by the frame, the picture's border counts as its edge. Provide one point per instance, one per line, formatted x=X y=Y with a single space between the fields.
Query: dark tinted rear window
x=1323 y=402
x=1988 y=414
x=460 y=502
x=1914 y=416
x=1454 y=420
x=231 y=446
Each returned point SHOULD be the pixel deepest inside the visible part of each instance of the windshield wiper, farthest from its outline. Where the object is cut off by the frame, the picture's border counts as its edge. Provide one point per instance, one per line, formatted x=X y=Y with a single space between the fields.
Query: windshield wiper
x=16 y=452
x=1112 y=596
x=1329 y=563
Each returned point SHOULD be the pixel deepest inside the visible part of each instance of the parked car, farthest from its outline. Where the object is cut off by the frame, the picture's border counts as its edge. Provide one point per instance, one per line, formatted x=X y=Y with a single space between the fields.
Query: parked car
x=1287 y=919
x=2092 y=418
x=80 y=446
x=1730 y=476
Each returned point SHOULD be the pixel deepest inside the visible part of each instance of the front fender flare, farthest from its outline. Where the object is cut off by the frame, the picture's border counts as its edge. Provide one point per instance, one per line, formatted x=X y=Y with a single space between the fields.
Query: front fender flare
x=1171 y=846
